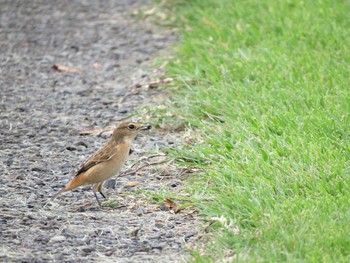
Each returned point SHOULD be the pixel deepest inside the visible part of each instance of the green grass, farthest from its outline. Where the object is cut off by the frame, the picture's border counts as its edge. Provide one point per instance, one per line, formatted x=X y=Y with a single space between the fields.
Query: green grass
x=265 y=84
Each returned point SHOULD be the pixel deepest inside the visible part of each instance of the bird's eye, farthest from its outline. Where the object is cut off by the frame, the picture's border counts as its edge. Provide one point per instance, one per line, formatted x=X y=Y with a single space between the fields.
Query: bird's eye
x=131 y=126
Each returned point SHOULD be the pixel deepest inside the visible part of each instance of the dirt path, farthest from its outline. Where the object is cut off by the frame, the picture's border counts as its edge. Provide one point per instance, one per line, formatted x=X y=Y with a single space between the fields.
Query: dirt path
x=42 y=112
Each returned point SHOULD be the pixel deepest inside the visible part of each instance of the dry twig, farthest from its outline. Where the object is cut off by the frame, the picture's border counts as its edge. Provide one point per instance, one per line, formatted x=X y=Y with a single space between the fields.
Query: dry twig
x=142 y=167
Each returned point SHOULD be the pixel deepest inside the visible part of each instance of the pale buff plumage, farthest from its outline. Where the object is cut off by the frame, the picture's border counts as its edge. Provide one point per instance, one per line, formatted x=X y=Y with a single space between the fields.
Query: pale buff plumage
x=107 y=161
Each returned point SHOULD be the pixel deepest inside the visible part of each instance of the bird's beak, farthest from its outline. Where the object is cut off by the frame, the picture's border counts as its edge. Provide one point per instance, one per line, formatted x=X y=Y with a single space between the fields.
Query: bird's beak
x=145 y=127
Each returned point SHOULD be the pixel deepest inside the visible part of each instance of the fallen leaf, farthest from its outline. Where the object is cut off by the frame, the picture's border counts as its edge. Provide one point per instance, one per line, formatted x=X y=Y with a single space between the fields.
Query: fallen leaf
x=132 y=184
x=189 y=212
x=63 y=68
x=171 y=205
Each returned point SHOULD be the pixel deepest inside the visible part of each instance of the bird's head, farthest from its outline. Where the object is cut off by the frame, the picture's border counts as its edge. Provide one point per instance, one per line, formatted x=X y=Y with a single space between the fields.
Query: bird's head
x=127 y=131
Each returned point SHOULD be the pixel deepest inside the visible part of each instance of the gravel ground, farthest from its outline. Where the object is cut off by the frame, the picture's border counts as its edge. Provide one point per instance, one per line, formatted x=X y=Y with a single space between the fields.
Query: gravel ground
x=42 y=111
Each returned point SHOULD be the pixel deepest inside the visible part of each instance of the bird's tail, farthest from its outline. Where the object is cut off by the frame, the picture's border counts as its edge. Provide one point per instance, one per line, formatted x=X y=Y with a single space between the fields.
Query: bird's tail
x=74 y=183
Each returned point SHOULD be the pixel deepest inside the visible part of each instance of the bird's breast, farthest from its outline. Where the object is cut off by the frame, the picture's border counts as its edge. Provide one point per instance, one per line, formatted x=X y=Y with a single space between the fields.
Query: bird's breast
x=119 y=157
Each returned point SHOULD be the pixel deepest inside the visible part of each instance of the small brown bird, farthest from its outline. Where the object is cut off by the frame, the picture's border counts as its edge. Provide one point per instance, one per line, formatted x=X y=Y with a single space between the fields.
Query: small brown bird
x=107 y=161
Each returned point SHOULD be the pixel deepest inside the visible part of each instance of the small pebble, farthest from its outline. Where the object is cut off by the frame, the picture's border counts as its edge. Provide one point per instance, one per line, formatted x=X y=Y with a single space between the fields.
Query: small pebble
x=188 y=235
x=71 y=148
x=140 y=211
x=57 y=238
x=169 y=234
x=122 y=111
x=134 y=232
x=87 y=249
x=109 y=252
x=157 y=225
x=159 y=247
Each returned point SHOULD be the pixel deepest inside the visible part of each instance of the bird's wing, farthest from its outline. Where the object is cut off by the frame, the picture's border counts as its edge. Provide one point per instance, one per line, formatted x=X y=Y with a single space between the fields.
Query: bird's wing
x=103 y=155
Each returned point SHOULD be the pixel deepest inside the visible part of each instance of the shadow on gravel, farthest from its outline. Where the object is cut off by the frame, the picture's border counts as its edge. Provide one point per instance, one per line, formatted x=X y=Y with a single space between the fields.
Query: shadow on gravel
x=43 y=110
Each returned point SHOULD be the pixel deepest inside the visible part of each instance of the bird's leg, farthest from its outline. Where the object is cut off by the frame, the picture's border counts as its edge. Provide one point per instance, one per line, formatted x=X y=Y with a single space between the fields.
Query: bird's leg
x=99 y=189
x=103 y=195
x=98 y=201
x=95 y=189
